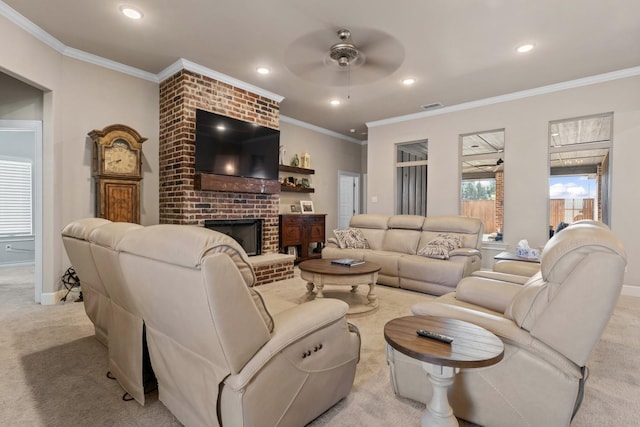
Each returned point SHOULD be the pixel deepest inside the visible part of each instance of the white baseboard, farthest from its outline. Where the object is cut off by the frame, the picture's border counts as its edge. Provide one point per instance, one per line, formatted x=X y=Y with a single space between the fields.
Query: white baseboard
x=49 y=298
x=632 y=291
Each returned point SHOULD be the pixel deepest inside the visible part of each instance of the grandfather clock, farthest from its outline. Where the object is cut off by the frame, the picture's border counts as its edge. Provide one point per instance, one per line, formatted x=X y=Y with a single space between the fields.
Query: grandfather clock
x=117 y=170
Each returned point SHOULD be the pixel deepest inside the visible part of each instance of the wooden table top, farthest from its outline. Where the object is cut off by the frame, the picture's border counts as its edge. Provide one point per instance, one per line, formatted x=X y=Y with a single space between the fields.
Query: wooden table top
x=511 y=256
x=324 y=266
x=472 y=347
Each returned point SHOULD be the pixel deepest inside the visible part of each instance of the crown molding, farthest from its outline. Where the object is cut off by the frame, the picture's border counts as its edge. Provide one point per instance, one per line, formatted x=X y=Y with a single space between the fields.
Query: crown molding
x=184 y=64
x=30 y=27
x=57 y=45
x=318 y=129
x=586 y=81
x=107 y=63
x=48 y=39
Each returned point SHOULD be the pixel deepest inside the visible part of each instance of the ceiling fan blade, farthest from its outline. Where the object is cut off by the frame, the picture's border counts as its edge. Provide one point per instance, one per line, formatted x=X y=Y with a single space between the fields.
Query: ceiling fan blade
x=383 y=66
x=369 y=38
x=381 y=55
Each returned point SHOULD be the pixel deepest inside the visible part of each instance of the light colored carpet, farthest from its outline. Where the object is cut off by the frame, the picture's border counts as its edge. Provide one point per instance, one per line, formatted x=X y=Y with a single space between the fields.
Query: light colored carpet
x=53 y=370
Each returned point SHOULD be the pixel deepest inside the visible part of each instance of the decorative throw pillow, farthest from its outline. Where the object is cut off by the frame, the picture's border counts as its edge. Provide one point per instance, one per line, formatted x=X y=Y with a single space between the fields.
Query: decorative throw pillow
x=458 y=240
x=450 y=241
x=440 y=246
x=434 y=251
x=351 y=238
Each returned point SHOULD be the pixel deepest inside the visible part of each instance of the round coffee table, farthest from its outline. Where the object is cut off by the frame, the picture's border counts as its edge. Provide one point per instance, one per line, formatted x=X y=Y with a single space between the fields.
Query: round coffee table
x=473 y=347
x=321 y=272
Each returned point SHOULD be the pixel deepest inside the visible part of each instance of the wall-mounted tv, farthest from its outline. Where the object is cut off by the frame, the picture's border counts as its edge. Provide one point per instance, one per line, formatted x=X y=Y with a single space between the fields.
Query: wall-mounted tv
x=227 y=146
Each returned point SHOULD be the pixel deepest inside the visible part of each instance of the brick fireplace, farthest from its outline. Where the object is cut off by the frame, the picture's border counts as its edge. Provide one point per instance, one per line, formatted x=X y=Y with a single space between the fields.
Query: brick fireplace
x=180 y=202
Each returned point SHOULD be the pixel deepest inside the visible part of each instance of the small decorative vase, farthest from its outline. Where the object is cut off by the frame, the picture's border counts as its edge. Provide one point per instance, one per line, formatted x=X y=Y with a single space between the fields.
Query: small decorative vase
x=295 y=161
x=283 y=153
x=305 y=161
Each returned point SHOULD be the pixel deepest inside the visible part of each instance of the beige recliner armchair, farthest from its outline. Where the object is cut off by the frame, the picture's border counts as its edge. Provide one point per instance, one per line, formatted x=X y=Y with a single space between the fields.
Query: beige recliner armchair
x=127 y=354
x=516 y=271
x=97 y=303
x=549 y=326
x=90 y=244
x=218 y=355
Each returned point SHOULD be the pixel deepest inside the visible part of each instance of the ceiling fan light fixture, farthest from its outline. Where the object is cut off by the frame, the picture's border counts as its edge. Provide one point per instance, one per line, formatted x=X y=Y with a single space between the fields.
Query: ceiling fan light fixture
x=344 y=53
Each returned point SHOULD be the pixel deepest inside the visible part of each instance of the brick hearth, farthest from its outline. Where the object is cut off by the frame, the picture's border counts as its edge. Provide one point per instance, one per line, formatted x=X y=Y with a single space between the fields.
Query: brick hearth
x=180 y=96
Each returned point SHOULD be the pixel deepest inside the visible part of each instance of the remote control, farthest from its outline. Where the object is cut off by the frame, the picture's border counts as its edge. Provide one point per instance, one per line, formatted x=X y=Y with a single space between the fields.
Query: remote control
x=435 y=336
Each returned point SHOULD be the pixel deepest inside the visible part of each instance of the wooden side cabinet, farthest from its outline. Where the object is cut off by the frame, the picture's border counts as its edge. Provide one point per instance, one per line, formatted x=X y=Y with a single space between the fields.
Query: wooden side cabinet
x=305 y=232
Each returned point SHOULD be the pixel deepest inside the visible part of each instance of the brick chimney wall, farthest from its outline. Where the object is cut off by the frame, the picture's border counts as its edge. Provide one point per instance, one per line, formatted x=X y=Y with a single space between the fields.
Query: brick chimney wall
x=180 y=96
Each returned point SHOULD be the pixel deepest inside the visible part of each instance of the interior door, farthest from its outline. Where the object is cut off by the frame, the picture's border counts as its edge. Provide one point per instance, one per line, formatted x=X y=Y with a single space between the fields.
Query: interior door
x=21 y=140
x=348 y=197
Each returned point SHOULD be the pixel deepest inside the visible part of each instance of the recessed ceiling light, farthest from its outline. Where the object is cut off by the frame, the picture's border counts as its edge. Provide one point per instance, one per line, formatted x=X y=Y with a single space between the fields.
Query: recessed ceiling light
x=263 y=70
x=335 y=102
x=408 y=81
x=352 y=130
x=525 y=48
x=131 y=12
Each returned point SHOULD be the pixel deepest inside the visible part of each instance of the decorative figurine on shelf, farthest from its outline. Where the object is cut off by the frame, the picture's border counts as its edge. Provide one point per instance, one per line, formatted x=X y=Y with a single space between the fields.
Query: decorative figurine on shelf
x=304 y=183
x=295 y=161
x=283 y=153
x=305 y=161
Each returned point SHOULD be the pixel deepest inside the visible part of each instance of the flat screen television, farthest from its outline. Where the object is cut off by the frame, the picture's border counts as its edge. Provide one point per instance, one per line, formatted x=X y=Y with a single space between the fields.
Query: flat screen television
x=227 y=146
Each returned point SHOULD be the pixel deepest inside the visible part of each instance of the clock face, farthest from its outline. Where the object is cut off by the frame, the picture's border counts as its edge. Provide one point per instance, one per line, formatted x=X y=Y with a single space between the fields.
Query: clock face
x=120 y=158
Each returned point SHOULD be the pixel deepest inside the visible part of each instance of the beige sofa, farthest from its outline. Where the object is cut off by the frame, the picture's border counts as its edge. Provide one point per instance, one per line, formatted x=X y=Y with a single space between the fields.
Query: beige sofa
x=549 y=326
x=219 y=356
x=394 y=242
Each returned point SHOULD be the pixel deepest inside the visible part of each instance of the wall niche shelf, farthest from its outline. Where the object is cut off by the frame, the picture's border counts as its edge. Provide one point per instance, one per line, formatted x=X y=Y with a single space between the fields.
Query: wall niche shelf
x=284 y=187
x=297 y=170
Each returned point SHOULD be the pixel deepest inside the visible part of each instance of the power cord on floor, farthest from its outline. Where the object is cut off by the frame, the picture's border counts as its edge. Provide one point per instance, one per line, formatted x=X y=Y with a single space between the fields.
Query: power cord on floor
x=70 y=280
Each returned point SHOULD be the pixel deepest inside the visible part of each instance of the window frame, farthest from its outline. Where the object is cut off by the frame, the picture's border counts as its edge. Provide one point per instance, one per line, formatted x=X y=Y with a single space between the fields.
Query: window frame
x=398 y=165
x=22 y=201
x=498 y=156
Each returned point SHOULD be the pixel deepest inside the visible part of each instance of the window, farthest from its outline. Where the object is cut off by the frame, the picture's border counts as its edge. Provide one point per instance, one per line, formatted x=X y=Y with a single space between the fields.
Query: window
x=579 y=164
x=16 y=216
x=411 y=178
x=482 y=180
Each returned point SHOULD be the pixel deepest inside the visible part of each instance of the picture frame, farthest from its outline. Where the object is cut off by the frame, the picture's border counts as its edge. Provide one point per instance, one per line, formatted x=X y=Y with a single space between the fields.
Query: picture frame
x=306 y=206
x=295 y=209
x=292 y=250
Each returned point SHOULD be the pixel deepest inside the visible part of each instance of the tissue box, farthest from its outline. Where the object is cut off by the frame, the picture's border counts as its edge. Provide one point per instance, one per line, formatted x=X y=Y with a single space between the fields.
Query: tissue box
x=527 y=253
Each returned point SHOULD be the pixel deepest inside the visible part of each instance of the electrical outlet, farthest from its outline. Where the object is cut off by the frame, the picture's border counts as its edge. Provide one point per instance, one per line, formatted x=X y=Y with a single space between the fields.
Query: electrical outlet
x=7 y=247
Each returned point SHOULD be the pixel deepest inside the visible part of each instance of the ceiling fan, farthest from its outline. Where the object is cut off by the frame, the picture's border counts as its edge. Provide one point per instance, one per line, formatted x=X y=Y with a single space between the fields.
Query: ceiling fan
x=358 y=57
x=345 y=53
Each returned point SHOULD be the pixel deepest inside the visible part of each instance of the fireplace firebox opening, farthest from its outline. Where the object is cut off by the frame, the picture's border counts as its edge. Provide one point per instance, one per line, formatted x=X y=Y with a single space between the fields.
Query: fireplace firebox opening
x=247 y=232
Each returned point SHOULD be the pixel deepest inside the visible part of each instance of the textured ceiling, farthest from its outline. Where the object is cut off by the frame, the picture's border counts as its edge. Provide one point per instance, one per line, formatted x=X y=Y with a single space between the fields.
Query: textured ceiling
x=458 y=50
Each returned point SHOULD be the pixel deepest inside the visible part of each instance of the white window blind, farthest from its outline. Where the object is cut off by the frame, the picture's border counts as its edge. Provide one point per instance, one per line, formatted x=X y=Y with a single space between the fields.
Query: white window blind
x=15 y=198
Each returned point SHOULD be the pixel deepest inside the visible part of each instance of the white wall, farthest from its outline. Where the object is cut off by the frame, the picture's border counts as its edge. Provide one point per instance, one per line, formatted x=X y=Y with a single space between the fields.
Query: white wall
x=78 y=97
x=328 y=156
x=526 y=123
